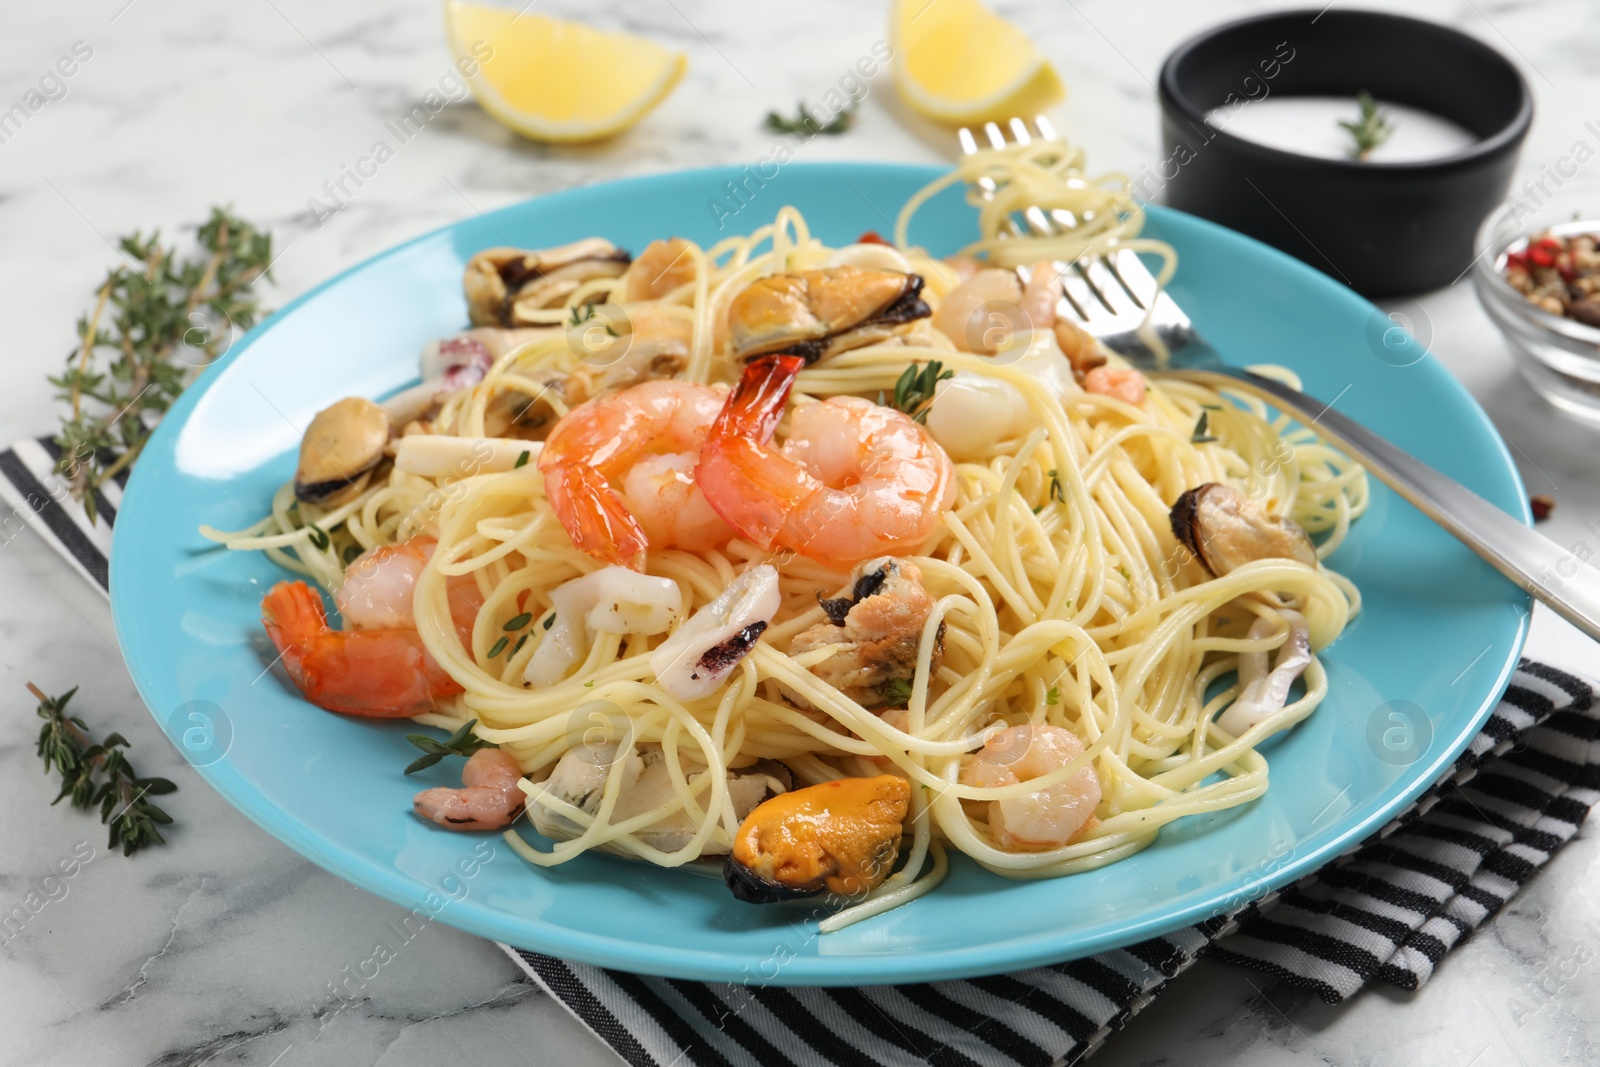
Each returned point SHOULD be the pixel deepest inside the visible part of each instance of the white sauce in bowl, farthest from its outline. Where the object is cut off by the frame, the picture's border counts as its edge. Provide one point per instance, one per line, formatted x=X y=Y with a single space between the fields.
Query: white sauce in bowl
x=1309 y=125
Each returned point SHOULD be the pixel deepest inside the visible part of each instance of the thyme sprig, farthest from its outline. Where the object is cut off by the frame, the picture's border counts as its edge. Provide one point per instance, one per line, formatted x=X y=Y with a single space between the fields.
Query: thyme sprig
x=99 y=774
x=152 y=328
x=807 y=125
x=913 y=392
x=461 y=743
x=1371 y=130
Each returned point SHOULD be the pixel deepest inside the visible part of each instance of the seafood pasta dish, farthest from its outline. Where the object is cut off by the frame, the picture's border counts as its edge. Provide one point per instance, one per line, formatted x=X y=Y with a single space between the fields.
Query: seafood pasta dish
x=816 y=563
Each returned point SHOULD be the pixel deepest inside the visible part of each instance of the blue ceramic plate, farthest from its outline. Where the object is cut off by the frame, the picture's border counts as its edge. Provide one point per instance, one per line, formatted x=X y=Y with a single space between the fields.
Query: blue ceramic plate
x=1440 y=632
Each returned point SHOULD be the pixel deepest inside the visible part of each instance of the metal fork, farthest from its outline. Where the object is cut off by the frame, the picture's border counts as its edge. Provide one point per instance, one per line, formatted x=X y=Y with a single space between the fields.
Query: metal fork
x=1115 y=297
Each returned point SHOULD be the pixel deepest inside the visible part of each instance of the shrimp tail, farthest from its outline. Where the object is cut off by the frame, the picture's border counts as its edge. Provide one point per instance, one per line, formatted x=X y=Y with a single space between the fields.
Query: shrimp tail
x=737 y=451
x=596 y=520
x=385 y=674
x=757 y=402
x=295 y=619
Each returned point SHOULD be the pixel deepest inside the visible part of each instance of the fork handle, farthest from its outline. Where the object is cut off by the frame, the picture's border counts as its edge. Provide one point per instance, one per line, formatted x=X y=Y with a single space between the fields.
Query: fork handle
x=1551 y=574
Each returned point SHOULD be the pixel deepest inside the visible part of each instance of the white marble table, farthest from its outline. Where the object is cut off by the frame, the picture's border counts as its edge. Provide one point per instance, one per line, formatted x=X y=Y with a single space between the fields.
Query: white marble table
x=221 y=948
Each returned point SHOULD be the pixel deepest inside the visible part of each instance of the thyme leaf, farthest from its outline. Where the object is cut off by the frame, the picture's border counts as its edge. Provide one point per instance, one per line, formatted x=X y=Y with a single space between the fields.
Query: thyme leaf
x=913 y=391
x=461 y=743
x=581 y=314
x=897 y=691
x=99 y=774
x=807 y=125
x=1371 y=130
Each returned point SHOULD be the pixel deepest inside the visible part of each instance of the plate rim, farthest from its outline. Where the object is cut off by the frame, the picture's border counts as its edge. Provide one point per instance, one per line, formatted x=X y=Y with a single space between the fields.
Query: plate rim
x=618 y=953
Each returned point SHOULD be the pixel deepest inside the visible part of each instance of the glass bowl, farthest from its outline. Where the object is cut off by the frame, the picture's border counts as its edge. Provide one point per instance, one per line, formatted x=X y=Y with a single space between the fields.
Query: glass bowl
x=1558 y=356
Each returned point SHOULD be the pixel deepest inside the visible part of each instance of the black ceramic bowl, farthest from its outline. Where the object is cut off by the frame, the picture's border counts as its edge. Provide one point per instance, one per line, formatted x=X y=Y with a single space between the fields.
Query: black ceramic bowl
x=1381 y=228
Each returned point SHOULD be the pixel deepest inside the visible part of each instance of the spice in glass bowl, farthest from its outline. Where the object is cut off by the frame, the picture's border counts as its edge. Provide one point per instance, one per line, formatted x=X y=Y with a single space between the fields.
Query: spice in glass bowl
x=1559 y=273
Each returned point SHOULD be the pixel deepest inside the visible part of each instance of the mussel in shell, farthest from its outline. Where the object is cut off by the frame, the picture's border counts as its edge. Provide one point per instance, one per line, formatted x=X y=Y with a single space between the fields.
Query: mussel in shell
x=840 y=837
x=818 y=313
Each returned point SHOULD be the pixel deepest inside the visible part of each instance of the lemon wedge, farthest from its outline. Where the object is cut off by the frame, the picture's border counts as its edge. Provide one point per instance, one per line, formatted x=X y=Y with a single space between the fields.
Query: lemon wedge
x=552 y=80
x=956 y=61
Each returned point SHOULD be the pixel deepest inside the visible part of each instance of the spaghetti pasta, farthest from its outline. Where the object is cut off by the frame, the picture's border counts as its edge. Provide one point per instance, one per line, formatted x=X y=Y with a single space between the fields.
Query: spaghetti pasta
x=1059 y=596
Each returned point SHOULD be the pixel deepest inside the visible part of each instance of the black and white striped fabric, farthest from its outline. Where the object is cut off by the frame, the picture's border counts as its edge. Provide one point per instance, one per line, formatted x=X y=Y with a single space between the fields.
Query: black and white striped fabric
x=37 y=497
x=1388 y=911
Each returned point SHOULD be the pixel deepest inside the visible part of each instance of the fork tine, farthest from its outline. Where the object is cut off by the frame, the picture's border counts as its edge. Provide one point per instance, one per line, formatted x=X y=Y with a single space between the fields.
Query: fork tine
x=1084 y=301
x=1134 y=276
x=1110 y=287
x=986 y=186
x=1047 y=132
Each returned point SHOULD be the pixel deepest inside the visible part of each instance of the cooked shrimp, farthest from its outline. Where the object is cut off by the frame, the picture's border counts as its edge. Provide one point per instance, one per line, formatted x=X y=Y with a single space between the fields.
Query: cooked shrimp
x=876 y=631
x=1123 y=383
x=487 y=800
x=1041 y=295
x=979 y=314
x=1050 y=817
x=379 y=673
x=964 y=267
x=662 y=267
x=377 y=666
x=592 y=452
x=991 y=307
x=853 y=480
x=379 y=584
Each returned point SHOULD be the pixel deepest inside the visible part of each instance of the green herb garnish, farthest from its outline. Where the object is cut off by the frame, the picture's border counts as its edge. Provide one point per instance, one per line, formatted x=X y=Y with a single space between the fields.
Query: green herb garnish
x=913 y=392
x=1202 y=430
x=1371 y=130
x=499 y=647
x=522 y=460
x=461 y=743
x=897 y=691
x=169 y=316
x=1055 y=488
x=518 y=646
x=518 y=623
x=319 y=536
x=1053 y=695
x=581 y=314
x=99 y=774
x=807 y=126
x=549 y=620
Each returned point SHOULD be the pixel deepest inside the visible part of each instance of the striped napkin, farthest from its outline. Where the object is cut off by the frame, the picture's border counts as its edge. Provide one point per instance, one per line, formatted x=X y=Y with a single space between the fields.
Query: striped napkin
x=1388 y=910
